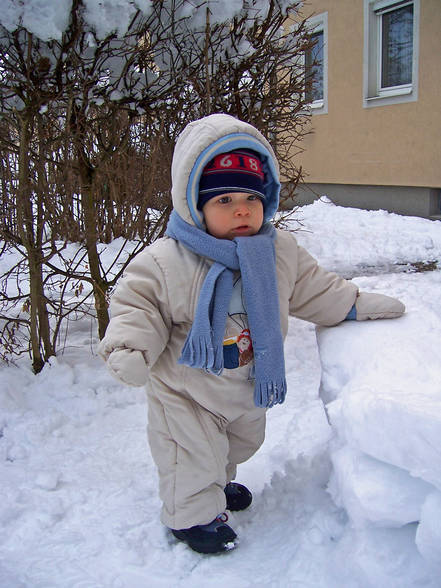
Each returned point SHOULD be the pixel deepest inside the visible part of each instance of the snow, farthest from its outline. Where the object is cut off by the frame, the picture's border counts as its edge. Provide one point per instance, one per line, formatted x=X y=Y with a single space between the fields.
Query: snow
x=347 y=486
x=367 y=247
x=106 y=16
x=46 y=19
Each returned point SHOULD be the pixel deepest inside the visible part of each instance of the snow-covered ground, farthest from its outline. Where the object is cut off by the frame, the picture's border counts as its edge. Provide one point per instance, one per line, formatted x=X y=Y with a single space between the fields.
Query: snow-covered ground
x=355 y=503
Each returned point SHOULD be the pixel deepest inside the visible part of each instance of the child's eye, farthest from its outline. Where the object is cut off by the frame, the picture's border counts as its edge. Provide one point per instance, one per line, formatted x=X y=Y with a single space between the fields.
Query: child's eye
x=224 y=199
x=252 y=197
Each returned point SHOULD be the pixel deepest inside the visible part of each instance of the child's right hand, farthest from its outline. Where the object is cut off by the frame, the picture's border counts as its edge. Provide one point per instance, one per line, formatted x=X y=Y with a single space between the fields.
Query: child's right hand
x=129 y=366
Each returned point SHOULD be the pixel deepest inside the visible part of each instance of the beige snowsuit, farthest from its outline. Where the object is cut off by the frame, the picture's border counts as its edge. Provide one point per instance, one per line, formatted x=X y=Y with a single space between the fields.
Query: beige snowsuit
x=200 y=425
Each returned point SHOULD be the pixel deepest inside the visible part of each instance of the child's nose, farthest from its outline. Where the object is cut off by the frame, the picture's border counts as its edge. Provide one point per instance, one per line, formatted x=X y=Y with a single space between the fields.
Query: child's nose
x=242 y=209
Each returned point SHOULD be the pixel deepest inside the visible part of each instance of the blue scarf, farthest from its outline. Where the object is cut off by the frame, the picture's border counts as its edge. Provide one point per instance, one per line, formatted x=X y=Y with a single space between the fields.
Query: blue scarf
x=255 y=258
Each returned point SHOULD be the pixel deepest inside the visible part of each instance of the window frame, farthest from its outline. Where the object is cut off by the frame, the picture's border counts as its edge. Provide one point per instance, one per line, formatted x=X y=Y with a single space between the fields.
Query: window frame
x=319 y=24
x=373 y=92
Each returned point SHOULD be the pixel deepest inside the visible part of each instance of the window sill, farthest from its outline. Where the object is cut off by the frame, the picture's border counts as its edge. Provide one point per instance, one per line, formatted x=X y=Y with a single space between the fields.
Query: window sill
x=396 y=91
x=397 y=95
x=317 y=107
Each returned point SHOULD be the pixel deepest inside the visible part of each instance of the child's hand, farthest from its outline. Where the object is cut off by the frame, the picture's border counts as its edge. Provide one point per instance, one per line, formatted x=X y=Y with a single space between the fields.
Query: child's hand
x=129 y=366
x=377 y=306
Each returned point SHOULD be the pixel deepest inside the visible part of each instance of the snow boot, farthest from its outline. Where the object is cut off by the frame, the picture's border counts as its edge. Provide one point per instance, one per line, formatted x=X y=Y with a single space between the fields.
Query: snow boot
x=238 y=496
x=215 y=537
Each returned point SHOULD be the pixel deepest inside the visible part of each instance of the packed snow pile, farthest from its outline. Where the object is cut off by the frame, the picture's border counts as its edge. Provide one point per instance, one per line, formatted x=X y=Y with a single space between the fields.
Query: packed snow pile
x=381 y=383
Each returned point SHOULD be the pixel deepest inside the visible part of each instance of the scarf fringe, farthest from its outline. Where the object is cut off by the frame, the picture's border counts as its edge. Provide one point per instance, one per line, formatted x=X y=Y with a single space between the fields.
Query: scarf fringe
x=199 y=352
x=267 y=394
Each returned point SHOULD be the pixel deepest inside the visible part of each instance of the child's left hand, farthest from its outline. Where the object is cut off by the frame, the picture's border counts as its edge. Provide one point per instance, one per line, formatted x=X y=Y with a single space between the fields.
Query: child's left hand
x=377 y=306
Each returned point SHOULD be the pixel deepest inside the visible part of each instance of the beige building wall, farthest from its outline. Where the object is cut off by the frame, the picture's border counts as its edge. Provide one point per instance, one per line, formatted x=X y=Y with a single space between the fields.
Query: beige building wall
x=393 y=145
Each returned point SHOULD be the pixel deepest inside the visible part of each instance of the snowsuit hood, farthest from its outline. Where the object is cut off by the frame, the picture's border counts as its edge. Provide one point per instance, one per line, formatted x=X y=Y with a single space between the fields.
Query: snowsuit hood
x=202 y=140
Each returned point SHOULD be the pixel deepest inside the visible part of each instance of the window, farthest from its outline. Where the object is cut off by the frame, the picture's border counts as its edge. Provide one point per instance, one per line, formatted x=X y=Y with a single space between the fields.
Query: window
x=316 y=64
x=396 y=28
x=314 y=68
x=391 y=51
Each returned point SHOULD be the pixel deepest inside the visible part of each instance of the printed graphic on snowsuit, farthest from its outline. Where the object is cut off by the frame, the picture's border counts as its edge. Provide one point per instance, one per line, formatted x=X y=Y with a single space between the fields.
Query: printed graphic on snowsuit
x=238 y=347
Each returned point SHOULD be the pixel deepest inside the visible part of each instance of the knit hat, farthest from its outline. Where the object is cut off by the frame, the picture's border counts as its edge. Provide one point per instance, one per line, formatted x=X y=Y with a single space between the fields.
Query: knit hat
x=236 y=171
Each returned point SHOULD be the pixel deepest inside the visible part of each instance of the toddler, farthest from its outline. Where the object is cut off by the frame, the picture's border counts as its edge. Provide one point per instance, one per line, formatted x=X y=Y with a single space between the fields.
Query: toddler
x=200 y=317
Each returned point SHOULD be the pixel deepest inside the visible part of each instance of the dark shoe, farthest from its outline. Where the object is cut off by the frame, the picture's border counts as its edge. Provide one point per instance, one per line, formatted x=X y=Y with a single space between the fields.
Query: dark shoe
x=238 y=496
x=212 y=538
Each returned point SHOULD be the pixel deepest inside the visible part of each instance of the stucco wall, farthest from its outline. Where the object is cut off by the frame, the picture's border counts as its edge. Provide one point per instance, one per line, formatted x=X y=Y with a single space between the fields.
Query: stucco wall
x=398 y=144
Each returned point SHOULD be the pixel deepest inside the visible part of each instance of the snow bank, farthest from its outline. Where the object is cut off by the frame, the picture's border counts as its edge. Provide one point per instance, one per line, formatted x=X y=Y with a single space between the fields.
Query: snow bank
x=381 y=384
x=360 y=242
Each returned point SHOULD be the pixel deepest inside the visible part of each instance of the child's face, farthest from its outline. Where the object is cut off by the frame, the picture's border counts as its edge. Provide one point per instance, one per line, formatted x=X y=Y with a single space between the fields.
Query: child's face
x=233 y=215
